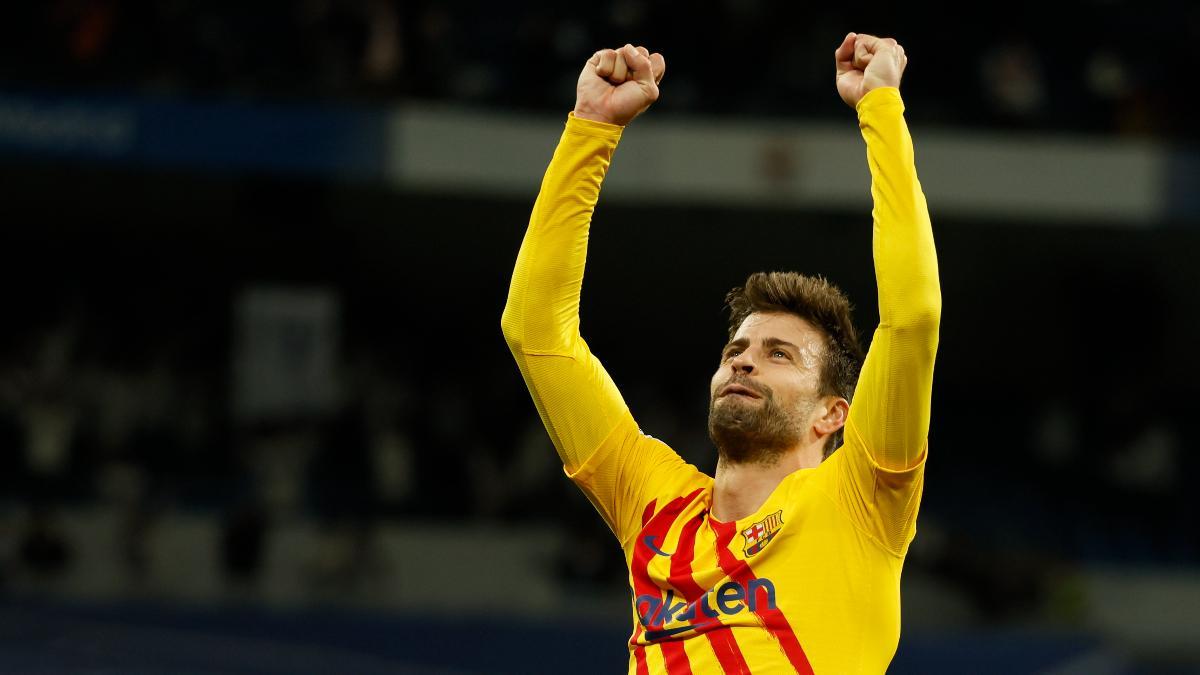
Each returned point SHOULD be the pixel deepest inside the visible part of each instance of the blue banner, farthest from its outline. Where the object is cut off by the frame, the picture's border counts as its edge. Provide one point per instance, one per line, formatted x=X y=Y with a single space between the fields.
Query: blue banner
x=333 y=140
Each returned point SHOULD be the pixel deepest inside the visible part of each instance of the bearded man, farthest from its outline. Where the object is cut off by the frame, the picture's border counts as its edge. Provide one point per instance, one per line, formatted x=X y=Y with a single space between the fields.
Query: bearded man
x=789 y=557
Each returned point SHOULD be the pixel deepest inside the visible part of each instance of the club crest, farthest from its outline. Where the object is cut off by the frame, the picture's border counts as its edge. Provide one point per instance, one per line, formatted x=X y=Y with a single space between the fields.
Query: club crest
x=761 y=533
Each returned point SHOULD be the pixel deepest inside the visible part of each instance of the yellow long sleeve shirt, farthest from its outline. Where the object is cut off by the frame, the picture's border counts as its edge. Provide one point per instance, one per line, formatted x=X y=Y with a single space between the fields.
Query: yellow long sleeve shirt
x=811 y=581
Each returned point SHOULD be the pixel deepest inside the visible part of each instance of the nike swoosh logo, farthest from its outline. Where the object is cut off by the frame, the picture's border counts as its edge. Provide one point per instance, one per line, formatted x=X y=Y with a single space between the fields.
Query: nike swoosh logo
x=648 y=540
x=667 y=632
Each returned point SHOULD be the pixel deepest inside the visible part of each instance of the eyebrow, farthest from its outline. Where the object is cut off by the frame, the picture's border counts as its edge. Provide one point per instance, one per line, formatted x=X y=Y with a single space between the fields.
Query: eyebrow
x=767 y=342
x=776 y=342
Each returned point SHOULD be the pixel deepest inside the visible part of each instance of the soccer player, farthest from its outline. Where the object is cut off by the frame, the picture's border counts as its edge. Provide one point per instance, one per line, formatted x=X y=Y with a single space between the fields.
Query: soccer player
x=789 y=558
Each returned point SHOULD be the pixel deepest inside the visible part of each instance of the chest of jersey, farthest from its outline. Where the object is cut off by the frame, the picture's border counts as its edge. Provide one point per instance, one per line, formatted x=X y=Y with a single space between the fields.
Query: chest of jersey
x=794 y=575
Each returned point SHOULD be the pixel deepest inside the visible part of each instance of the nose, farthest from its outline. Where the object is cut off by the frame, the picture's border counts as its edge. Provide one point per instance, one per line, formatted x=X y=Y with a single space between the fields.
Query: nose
x=742 y=363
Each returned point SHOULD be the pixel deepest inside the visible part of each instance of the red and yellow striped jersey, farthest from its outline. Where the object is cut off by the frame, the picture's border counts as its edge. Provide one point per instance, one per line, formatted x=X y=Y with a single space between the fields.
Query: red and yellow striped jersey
x=811 y=581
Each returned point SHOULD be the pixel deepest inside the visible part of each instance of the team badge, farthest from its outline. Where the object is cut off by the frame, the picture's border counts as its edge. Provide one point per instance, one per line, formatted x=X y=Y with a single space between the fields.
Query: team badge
x=761 y=533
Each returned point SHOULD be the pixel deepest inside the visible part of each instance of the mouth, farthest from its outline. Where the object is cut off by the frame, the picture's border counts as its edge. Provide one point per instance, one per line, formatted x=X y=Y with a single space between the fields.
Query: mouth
x=738 y=390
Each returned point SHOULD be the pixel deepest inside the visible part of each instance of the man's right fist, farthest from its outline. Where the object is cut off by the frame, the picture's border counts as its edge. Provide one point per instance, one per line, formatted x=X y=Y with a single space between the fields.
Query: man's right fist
x=616 y=85
x=865 y=62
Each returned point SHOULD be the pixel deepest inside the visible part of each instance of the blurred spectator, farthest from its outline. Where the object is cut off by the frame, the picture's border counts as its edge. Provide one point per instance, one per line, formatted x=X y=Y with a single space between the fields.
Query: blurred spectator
x=44 y=549
x=1014 y=83
x=243 y=542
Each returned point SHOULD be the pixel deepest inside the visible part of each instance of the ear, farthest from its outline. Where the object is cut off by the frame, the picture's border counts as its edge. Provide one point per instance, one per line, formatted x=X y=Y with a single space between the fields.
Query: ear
x=836 y=409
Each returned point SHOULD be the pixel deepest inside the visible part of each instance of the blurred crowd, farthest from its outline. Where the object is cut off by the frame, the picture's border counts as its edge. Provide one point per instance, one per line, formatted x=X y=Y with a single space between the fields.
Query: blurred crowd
x=141 y=417
x=1089 y=66
x=142 y=411
x=142 y=399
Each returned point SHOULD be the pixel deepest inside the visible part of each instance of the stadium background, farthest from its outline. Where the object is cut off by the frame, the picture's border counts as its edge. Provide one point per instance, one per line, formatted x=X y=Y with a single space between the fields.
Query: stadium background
x=256 y=414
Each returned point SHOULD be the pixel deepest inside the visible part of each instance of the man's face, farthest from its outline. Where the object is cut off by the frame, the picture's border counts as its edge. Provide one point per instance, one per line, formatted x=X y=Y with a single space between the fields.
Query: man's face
x=765 y=391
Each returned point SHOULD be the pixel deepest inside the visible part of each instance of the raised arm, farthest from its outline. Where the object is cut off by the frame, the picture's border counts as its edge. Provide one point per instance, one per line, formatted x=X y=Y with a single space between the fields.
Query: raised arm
x=621 y=470
x=889 y=417
x=575 y=397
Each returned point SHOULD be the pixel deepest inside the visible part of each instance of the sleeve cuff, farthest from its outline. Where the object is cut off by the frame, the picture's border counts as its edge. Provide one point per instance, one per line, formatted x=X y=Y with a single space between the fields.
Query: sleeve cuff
x=578 y=125
x=879 y=98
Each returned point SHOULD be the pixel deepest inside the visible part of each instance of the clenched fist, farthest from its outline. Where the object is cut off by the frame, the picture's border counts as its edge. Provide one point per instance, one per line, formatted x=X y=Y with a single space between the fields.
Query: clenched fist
x=865 y=62
x=616 y=85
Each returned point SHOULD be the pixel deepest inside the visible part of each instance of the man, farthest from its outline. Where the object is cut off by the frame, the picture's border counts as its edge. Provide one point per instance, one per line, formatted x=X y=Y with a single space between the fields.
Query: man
x=789 y=558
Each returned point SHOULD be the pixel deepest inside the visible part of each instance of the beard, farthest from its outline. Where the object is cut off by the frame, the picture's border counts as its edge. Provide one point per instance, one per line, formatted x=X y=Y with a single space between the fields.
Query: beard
x=753 y=431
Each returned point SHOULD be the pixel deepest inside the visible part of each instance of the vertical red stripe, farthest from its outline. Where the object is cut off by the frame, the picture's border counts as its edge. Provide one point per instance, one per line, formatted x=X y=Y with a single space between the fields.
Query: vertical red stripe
x=773 y=619
x=681 y=561
x=673 y=653
x=729 y=655
x=648 y=511
x=639 y=655
x=676 y=658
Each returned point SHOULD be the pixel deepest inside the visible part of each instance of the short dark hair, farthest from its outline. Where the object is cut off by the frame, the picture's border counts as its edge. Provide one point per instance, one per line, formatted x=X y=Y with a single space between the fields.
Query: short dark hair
x=818 y=302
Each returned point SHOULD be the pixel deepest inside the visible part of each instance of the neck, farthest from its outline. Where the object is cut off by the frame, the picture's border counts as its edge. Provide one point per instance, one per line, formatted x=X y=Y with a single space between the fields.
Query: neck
x=740 y=489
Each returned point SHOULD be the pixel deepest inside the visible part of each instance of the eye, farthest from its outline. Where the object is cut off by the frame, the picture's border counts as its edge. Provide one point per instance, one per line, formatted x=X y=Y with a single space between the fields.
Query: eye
x=732 y=353
x=780 y=352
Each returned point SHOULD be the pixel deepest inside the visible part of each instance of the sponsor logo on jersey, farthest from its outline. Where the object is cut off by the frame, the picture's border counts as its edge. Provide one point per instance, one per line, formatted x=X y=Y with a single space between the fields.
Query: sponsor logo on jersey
x=649 y=541
x=730 y=598
x=761 y=533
